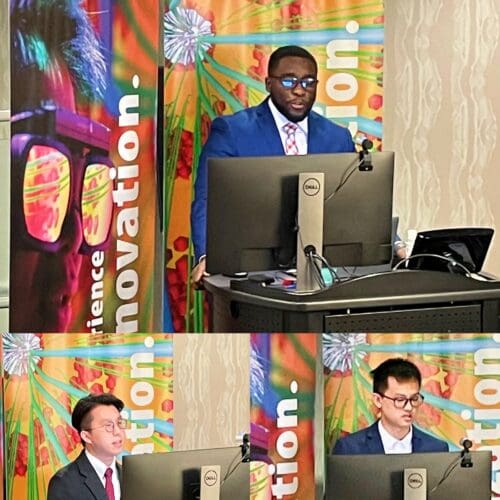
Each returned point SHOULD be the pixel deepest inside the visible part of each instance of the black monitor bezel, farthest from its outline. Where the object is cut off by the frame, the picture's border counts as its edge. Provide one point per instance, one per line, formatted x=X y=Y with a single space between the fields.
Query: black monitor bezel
x=252 y=205
x=475 y=241
x=157 y=476
x=350 y=477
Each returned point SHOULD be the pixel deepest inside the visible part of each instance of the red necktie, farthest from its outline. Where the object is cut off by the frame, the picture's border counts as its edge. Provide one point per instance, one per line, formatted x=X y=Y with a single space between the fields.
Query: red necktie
x=291 y=147
x=109 y=484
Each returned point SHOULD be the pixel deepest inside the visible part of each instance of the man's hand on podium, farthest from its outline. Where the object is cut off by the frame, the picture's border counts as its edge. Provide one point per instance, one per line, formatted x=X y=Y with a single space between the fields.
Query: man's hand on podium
x=198 y=273
x=400 y=250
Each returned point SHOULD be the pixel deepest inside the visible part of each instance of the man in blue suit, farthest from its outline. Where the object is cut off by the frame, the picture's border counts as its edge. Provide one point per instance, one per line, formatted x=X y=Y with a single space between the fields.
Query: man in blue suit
x=396 y=393
x=282 y=124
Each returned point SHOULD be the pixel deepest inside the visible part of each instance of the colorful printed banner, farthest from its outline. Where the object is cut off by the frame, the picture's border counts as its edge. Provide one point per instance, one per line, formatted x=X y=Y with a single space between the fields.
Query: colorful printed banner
x=216 y=56
x=83 y=150
x=282 y=389
x=460 y=384
x=45 y=375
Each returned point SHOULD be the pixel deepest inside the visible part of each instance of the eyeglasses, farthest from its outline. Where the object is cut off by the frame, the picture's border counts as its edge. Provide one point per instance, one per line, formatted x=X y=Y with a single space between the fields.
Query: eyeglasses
x=121 y=423
x=51 y=176
x=415 y=401
x=290 y=82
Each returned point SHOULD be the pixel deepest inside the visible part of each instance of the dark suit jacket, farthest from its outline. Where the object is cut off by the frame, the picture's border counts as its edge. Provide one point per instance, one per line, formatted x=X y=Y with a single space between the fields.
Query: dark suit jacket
x=253 y=132
x=368 y=441
x=77 y=481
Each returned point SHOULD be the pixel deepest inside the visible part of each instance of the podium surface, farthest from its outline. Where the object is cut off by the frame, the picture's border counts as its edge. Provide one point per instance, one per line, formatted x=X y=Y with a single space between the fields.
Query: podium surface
x=392 y=301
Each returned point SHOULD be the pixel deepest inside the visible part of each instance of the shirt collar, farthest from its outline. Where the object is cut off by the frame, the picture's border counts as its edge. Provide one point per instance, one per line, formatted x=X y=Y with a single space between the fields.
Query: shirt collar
x=281 y=119
x=392 y=444
x=99 y=466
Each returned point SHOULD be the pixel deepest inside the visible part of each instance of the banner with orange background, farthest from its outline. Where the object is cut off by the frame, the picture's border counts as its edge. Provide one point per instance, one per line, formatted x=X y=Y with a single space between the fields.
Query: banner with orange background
x=216 y=56
x=460 y=384
x=282 y=395
x=44 y=375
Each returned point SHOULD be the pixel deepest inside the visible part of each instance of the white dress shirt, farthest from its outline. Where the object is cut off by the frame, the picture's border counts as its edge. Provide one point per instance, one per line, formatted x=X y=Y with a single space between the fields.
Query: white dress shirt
x=394 y=445
x=300 y=133
x=100 y=468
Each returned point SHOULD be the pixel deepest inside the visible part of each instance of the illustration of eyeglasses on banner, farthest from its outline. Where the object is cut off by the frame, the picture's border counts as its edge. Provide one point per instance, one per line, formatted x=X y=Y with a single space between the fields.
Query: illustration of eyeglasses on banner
x=60 y=161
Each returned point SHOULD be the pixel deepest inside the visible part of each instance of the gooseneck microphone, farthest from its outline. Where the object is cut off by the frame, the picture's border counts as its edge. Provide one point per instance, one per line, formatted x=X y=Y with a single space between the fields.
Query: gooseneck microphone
x=365 y=156
x=245 y=448
x=466 y=460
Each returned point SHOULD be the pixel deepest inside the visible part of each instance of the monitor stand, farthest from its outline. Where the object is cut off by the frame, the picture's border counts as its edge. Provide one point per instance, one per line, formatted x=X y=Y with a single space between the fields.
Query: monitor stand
x=310 y=228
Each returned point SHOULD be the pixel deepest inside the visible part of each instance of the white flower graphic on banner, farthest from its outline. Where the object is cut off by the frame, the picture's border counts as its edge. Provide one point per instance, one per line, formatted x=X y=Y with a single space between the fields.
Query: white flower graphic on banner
x=18 y=357
x=182 y=31
x=339 y=350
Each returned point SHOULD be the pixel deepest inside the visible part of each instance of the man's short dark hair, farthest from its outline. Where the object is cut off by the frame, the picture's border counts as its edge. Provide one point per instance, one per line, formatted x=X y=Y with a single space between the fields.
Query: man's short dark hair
x=401 y=369
x=289 y=51
x=81 y=418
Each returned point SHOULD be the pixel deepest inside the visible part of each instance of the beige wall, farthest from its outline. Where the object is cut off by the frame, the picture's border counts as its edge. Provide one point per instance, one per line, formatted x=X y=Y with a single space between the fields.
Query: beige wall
x=211 y=390
x=442 y=100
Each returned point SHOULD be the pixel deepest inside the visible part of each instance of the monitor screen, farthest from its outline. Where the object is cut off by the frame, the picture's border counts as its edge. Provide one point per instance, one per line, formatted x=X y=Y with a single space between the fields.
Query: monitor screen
x=252 y=211
x=380 y=477
x=466 y=246
x=176 y=475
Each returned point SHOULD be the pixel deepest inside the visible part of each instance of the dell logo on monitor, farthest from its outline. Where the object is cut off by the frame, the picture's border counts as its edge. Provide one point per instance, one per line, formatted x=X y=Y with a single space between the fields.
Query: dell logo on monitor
x=415 y=481
x=210 y=477
x=311 y=186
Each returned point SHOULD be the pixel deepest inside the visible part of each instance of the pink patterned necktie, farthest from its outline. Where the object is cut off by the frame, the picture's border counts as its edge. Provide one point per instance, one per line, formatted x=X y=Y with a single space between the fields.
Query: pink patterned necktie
x=291 y=147
x=109 y=484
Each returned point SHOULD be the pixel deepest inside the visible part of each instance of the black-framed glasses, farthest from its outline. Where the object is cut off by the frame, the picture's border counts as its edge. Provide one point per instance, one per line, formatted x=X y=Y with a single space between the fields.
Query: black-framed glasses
x=61 y=160
x=121 y=423
x=400 y=402
x=290 y=82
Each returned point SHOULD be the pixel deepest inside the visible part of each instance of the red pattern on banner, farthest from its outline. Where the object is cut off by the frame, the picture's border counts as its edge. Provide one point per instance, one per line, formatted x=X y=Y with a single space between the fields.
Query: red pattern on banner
x=177 y=290
x=431 y=377
x=65 y=438
x=185 y=159
x=85 y=374
x=21 y=464
x=240 y=92
x=293 y=15
x=261 y=55
x=375 y=101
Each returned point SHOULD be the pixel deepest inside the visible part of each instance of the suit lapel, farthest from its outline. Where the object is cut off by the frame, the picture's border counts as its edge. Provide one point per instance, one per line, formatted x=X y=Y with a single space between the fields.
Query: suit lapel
x=416 y=441
x=373 y=439
x=267 y=131
x=312 y=135
x=90 y=478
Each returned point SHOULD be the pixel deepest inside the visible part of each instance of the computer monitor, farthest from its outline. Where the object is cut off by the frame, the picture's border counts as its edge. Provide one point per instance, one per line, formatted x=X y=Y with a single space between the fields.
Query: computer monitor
x=380 y=477
x=461 y=250
x=252 y=211
x=176 y=475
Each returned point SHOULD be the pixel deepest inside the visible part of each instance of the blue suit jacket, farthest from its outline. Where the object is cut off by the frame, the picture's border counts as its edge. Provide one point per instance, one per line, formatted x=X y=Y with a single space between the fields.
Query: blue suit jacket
x=368 y=441
x=253 y=132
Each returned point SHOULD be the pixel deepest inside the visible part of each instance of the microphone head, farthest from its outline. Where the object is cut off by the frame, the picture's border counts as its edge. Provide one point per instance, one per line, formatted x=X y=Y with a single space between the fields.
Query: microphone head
x=367 y=145
x=365 y=159
x=466 y=443
x=363 y=141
